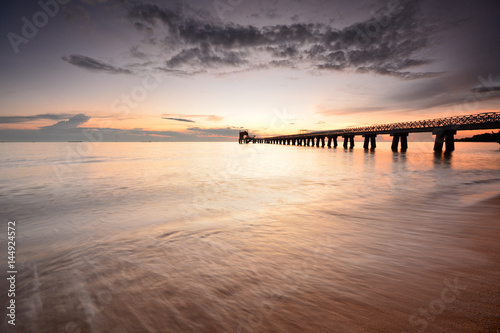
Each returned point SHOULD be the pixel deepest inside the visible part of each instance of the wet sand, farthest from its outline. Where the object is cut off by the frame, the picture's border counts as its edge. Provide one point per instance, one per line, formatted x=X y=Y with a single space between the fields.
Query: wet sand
x=478 y=310
x=447 y=286
x=455 y=298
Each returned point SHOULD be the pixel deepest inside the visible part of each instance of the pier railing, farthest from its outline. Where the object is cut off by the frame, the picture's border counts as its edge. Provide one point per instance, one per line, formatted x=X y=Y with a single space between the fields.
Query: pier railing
x=473 y=121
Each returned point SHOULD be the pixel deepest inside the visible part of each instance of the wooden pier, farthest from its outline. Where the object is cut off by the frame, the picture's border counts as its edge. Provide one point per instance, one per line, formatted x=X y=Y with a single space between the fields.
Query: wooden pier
x=443 y=128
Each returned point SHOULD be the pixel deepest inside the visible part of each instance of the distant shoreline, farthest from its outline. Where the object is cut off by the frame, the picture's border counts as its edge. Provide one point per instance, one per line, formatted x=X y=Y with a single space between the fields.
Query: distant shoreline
x=486 y=137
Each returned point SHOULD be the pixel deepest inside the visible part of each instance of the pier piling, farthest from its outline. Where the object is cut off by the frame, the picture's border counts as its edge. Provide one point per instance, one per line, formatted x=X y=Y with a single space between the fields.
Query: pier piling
x=370 y=140
x=447 y=137
x=348 y=139
x=395 y=142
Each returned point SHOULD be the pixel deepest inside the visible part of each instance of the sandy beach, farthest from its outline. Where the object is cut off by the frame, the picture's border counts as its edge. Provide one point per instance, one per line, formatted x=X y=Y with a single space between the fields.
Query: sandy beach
x=459 y=297
x=342 y=242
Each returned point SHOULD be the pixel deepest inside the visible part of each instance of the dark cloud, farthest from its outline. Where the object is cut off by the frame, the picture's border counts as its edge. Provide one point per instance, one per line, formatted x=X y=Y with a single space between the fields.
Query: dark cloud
x=388 y=43
x=94 y=65
x=150 y=14
x=228 y=36
x=284 y=51
x=71 y=123
x=449 y=90
x=143 y=27
x=486 y=89
x=467 y=44
x=396 y=40
x=205 y=56
x=22 y=119
x=180 y=119
x=405 y=75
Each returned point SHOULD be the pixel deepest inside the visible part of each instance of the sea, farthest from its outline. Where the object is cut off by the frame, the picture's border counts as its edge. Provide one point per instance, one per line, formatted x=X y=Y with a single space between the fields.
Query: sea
x=228 y=237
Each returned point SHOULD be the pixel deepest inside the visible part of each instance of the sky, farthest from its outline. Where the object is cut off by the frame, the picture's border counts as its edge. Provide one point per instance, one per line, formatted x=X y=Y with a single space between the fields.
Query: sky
x=203 y=70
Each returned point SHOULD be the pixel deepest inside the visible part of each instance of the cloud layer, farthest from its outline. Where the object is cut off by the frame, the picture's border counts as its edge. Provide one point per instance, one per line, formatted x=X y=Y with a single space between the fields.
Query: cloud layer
x=179 y=119
x=72 y=130
x=71 y=123
x=388 y=43
x=443 y=48
x=94 y=65
x=23 y=119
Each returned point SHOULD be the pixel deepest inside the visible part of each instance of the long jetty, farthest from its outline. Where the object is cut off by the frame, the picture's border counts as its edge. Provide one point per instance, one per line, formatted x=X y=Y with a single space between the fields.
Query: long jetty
x=444 y=129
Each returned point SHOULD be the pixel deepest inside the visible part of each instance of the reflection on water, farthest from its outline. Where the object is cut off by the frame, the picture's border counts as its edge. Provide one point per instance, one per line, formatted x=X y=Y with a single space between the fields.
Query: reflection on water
x=201 y=237
x=444 y=159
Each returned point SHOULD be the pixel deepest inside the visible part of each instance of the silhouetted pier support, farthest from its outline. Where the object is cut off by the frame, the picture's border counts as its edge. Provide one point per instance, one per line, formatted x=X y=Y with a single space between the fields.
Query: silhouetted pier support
x=370 y=139
x=330 y=139
x=447 y=137
x=348 y=139
x=395 y=141
x=320 y=139
x=449 y=140
x=335 y=144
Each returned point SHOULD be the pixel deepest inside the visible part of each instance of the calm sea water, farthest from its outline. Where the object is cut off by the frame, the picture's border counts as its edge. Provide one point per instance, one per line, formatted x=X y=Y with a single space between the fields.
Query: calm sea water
x=221 y=237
